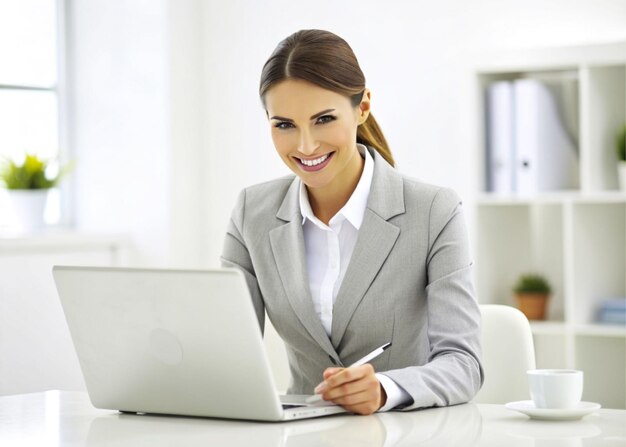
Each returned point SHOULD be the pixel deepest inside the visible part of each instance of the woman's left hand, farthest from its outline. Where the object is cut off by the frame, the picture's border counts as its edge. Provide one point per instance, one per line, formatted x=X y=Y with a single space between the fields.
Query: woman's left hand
x=356 y=389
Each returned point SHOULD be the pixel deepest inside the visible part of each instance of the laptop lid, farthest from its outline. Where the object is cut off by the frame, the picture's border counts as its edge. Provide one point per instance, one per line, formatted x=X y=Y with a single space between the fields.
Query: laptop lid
x=169 y=341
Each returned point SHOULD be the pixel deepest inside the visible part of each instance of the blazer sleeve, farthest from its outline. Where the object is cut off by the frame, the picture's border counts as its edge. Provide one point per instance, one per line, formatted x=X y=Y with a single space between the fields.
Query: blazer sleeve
x=453 y=373
x=235 y=254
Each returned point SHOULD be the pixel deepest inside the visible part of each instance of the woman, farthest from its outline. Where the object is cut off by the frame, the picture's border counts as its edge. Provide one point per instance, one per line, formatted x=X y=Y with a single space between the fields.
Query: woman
x=349 y=254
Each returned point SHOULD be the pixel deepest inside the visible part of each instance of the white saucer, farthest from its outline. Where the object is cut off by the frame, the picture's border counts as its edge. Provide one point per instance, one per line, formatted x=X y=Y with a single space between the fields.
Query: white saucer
x=552 y=414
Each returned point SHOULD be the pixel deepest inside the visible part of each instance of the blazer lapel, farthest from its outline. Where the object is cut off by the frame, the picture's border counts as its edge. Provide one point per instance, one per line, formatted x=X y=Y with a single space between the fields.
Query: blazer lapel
x=287 y=242
x=375 y=241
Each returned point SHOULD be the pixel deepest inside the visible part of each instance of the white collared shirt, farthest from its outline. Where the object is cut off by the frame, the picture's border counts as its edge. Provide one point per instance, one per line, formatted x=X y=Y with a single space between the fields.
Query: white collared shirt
x=329 y=247
x=328 y=252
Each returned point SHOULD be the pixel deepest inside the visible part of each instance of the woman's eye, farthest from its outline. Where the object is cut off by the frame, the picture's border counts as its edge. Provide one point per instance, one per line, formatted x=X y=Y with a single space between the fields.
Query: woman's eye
x=325 y=119
x=283 y=125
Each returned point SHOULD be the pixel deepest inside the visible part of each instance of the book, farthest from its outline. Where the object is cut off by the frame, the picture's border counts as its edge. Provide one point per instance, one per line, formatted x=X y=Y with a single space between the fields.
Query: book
x=546 y=157
x=500 y=138
x=612 y=311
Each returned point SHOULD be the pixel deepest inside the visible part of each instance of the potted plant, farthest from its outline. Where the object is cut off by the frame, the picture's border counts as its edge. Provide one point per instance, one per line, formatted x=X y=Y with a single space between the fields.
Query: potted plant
x=621 y=157
x=532 y=292
x=28 y=184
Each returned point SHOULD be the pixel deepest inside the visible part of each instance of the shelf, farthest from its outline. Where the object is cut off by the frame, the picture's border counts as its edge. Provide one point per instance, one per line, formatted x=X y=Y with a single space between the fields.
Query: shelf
x=592 y=329
x=602 y=330
x=560 y=197
x=574 y=235
x=601 y=197
x=548 y=327
x=59 y=239
x=494 y=199
x=550 y=59
x=597 y=258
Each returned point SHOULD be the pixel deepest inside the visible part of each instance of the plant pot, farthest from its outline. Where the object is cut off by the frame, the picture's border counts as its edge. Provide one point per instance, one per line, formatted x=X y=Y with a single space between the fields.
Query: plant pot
x=621 y=173
x=533 y=305
x=29 y=206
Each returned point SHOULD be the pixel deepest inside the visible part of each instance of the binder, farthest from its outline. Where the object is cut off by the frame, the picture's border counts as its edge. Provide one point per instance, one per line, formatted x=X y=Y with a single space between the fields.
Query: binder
x=500 y=138
x=546 y=158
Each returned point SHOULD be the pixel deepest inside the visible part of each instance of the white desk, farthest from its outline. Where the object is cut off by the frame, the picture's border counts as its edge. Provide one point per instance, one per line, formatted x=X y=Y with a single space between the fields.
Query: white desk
x=57 y=418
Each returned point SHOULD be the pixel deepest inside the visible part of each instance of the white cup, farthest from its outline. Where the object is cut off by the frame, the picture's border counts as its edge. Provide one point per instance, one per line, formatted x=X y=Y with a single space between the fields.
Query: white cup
x=555 y=388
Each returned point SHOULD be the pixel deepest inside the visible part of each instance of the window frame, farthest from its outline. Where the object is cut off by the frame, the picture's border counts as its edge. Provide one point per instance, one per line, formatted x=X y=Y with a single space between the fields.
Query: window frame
x=61 y=91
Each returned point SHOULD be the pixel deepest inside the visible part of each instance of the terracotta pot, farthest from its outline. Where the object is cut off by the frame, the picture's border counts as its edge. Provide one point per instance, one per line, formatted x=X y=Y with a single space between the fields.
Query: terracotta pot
x=533 y=305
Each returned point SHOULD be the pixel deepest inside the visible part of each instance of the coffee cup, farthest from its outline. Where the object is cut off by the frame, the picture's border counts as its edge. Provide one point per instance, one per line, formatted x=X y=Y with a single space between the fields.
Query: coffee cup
x=555 y=388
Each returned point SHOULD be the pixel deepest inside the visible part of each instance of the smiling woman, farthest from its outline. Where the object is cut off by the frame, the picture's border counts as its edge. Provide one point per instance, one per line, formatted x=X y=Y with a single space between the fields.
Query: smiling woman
x=350 y=254
x=325 y=60
x=318 y=140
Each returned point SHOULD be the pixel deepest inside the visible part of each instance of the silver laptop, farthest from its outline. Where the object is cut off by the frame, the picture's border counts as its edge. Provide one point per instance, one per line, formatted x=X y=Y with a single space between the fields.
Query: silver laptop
x=178 y=342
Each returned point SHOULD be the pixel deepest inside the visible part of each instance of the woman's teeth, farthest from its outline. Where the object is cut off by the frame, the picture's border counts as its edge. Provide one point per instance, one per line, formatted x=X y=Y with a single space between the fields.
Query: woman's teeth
x=314 y=162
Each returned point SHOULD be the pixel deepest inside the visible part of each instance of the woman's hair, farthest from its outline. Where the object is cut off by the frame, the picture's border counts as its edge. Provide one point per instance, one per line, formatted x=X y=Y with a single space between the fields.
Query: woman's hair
x=326 y=60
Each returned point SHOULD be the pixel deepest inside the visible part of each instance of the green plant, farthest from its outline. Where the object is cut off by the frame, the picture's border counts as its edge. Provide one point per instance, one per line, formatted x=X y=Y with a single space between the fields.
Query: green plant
x=532 y=283
x=31 y=174
x=621 y=144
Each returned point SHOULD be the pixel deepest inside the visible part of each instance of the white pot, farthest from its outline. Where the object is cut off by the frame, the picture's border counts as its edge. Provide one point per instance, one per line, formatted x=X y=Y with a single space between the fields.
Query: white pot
x=621 y=171
x=29 y=206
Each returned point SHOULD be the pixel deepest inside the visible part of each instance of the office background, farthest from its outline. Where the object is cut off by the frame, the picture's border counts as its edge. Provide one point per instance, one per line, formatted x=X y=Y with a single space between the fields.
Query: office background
x=168 y=125
x=164 y=120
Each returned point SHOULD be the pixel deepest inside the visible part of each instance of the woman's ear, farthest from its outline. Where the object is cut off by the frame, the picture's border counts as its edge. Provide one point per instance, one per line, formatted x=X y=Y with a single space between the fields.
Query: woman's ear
x=364 y=106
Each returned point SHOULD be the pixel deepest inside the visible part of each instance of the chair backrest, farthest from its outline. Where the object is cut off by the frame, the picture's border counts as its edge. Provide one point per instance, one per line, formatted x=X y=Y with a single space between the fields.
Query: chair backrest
x=507 y=353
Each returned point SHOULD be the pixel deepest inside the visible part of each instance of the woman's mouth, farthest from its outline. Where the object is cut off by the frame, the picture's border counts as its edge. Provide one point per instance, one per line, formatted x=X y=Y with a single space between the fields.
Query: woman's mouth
x=315 y=164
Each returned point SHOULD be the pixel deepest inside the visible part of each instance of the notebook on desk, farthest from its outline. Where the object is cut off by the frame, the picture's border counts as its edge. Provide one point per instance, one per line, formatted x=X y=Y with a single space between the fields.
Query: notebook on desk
x=177 y=342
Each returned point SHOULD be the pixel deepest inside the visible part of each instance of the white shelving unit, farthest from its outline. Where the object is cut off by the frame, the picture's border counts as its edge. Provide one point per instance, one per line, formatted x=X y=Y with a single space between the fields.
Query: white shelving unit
x=576 y=238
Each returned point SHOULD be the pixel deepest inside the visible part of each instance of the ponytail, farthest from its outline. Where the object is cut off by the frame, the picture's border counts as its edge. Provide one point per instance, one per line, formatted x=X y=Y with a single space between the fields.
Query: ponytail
x=369 y=134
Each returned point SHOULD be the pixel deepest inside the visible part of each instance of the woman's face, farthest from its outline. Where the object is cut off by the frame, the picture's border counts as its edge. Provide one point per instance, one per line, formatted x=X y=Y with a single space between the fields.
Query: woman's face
x=314 y=132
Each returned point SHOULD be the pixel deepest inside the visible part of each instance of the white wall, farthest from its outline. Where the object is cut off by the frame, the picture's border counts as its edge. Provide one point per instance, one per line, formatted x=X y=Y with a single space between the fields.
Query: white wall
x=120 y=121
x=188 y=231
x=135 y=111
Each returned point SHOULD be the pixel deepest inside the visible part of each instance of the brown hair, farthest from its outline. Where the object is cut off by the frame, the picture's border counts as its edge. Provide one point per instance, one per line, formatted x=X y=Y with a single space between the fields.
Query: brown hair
x=326 y=60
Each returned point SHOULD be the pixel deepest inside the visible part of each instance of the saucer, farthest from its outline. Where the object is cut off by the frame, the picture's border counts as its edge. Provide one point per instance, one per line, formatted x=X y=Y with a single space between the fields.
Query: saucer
x=553 y=414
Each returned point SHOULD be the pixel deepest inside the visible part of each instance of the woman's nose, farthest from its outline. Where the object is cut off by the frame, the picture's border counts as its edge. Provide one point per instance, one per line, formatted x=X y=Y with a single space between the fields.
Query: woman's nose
x=307 y=145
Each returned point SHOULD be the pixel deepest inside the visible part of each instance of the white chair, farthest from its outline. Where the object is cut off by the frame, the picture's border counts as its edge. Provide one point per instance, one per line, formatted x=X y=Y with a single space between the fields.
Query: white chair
x=507 y=353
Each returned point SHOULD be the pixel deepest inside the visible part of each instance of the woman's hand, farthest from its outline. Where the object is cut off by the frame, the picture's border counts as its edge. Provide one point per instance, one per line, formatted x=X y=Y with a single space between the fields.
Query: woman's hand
x=356 y=389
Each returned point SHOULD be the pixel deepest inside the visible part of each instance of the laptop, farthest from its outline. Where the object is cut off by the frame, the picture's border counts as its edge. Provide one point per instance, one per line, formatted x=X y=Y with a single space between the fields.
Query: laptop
x=180 y=342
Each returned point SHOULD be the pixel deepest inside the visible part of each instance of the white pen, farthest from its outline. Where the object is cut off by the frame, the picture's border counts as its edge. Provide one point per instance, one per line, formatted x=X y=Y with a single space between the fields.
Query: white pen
x=372 y=355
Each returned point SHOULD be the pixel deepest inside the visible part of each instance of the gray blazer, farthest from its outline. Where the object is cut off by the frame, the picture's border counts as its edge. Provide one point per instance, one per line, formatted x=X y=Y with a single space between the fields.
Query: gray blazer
x=408 y=282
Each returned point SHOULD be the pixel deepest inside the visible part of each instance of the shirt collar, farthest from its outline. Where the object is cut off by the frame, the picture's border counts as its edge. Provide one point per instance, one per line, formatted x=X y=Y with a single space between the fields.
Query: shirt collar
x=354 y=209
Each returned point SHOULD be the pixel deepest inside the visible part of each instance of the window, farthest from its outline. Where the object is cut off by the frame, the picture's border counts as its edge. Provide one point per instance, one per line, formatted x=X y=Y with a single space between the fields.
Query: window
x=31 y=103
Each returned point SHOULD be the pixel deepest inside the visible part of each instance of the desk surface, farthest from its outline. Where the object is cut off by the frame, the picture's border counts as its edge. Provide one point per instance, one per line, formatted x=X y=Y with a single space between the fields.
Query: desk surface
x=61 y=418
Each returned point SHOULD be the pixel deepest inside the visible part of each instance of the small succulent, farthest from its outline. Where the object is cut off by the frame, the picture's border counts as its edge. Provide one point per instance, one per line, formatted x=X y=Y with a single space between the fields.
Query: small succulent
x=532 y=283
x=31 y=174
